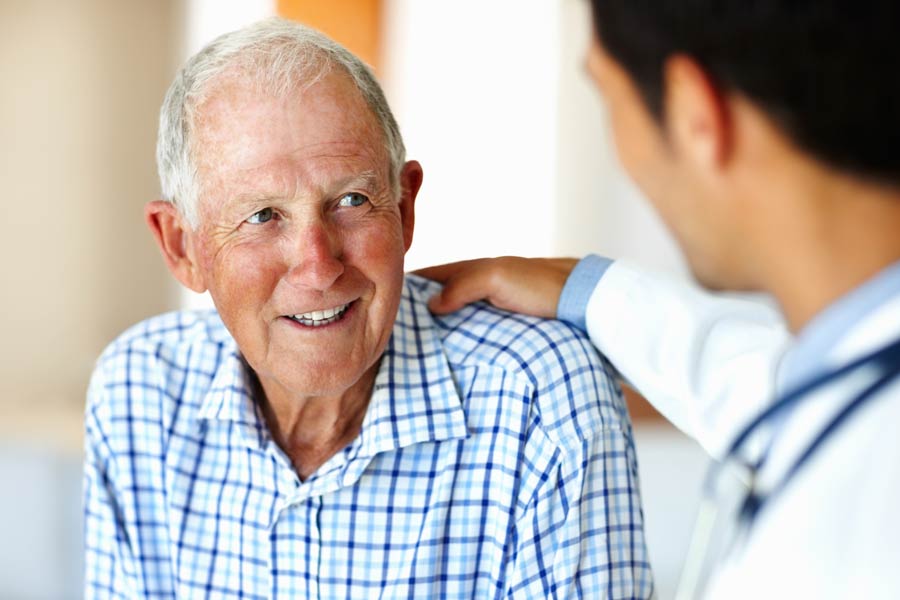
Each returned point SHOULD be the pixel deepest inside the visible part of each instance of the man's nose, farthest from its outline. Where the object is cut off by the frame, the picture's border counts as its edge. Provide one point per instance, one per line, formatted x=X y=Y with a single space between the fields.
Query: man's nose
x=316 y=256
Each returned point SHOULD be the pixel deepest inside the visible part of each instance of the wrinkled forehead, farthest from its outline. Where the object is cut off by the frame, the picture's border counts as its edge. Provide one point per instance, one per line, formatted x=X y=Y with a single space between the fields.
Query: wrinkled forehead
x=242 y=125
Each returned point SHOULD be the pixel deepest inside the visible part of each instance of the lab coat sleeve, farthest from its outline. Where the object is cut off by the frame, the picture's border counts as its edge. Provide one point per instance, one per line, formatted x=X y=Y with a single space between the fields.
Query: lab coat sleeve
x=707 y=363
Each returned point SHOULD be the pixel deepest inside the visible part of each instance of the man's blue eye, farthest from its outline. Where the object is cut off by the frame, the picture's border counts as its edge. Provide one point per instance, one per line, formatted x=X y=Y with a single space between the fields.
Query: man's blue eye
x=352 y=199
x=262 y=216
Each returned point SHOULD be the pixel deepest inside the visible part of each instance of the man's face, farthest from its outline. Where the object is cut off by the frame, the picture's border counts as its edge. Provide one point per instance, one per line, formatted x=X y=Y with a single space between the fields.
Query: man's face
x=681 y=194
x=301 y=238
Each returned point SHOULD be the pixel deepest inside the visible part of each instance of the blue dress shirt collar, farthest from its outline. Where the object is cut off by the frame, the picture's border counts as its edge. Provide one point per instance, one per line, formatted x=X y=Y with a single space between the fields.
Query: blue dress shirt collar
x=815 y=342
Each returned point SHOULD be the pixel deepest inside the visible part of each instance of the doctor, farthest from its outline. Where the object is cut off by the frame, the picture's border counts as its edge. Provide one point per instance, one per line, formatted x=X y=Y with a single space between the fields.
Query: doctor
x=767 y=136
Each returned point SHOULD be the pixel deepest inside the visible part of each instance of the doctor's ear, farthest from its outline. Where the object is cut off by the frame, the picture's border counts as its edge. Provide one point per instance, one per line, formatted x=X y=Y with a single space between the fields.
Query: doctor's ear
x=695 y=112
x=410 y=182
x=174 y=237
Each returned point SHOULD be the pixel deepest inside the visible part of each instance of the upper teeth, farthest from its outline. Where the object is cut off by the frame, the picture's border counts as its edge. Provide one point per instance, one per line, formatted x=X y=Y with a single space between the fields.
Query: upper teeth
x=321 y=315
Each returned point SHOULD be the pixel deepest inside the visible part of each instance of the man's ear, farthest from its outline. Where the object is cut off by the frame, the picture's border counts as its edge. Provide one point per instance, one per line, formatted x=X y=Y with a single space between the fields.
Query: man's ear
x=173 y=236
x=696 y=114
x=410 y=182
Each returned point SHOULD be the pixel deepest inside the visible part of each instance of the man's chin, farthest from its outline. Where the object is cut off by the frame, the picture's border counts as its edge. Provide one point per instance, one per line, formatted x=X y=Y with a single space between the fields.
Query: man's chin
x=715 y=278
x=709 y=282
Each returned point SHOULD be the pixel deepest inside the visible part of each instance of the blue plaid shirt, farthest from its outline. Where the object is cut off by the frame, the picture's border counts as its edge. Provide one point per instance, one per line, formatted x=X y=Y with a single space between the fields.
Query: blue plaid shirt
x=495 y=460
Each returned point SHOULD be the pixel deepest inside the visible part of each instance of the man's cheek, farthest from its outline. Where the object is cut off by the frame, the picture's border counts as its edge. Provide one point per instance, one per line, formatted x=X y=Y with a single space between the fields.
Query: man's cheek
x=386 y=242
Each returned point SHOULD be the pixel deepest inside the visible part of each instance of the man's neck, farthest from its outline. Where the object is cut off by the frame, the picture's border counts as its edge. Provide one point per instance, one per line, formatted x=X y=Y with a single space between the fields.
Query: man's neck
x=312 y=429
x=842 y=233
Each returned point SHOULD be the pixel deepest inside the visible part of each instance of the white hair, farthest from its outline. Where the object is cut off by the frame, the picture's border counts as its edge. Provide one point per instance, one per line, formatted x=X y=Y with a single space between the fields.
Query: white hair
x=277 y=55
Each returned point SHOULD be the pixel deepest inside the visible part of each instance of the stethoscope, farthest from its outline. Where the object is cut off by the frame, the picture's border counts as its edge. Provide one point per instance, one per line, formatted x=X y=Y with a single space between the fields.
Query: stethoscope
x=886 y=361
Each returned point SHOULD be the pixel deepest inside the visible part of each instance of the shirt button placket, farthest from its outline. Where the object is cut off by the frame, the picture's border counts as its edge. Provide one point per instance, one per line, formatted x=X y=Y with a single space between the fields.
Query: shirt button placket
x=315 y=546
x=296 y=550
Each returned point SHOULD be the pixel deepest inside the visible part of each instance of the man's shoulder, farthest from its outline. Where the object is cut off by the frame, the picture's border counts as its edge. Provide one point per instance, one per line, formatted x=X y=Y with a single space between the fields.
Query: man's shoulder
x=540 y=349
x=171 y=329
x=573 y=388
x=156 y=367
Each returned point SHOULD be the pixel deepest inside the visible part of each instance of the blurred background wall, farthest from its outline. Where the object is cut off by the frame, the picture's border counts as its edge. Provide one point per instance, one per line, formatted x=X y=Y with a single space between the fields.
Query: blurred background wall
x=492 y=98
x=494 y=101
x=81 y=85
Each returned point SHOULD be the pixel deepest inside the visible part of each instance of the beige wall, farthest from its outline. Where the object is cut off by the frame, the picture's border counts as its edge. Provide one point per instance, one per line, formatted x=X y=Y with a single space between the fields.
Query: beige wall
x=81 y=86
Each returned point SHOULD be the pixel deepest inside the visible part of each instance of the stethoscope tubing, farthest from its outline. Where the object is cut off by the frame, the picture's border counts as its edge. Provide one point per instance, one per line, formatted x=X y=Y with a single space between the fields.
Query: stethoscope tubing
x=886 y=357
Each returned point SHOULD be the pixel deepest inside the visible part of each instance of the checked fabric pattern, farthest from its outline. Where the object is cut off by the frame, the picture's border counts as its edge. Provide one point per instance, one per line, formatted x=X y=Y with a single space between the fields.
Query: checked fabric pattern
x=495 y=460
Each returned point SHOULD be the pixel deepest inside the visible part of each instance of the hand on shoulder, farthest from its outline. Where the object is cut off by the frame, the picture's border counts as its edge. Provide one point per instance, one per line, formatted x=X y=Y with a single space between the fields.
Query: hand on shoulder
x=525 y=285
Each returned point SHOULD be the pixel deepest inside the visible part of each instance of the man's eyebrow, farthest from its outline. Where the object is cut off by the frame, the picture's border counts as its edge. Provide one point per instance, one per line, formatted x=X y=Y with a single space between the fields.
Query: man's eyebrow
x=249 y=197
x=368 y=180
x=364 y=179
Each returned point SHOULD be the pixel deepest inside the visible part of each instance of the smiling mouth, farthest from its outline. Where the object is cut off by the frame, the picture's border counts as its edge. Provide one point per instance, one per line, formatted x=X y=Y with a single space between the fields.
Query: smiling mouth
x=319 y=318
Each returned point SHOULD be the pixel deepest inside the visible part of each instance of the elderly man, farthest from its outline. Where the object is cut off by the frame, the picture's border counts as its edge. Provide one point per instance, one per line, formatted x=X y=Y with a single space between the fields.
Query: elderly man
x=321 y=434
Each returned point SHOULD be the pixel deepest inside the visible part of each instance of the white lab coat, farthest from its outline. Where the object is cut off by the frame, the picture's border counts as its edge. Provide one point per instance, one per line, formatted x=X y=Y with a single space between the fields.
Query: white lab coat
x=709 y=365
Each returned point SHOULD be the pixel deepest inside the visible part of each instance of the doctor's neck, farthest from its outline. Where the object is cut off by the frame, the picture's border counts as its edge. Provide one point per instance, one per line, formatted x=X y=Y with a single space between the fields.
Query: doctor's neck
x=830 y=234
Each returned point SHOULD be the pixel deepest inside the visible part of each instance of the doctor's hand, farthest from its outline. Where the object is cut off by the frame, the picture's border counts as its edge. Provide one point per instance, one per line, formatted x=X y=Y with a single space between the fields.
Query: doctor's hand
x=525 y=285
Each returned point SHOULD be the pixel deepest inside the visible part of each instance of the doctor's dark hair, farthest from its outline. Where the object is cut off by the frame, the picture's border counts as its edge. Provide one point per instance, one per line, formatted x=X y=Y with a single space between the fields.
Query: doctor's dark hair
x=825 y=71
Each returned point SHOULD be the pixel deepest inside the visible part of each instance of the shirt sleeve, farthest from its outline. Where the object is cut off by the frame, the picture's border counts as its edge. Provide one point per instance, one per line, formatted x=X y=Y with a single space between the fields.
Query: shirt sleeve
x=582 y=534
x=107 y=554
x=577 y=291
x=708 y=363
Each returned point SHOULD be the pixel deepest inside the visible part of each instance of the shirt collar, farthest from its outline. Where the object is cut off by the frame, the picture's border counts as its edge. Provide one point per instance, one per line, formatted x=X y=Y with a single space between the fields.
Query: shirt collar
x=815 y=344
x=414 y=399
x=230 y=396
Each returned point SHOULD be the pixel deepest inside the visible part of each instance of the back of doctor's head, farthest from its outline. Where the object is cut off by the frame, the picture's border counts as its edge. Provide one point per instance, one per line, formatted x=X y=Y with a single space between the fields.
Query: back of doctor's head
x=825 y=71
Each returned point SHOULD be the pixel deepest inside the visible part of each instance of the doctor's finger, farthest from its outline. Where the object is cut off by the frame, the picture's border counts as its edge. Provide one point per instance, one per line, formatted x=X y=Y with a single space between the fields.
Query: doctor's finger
x=525 y=285
x=442 y=273
x=464 y=283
